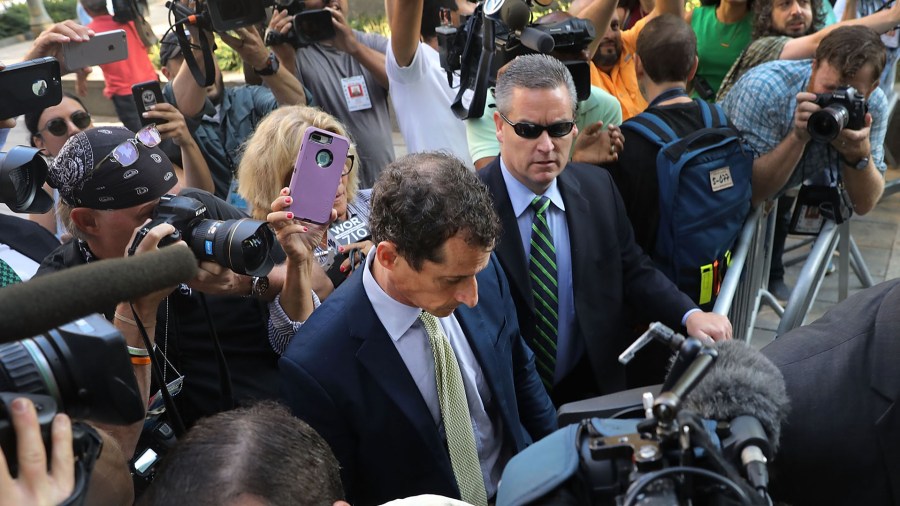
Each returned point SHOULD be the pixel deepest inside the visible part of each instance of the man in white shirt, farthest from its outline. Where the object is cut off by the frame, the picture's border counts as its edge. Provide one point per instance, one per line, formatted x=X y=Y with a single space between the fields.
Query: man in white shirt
x=420 y=92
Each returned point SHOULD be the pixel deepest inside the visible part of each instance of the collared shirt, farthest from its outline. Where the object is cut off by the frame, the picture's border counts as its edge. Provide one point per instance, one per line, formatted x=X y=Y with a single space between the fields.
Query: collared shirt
x=569 y=349
x=411 y=340
x=761 y=105
x=220 y=141
x=621 y=82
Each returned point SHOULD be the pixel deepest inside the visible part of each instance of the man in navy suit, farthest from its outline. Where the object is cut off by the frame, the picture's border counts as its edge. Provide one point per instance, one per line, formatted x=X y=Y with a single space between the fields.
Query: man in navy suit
x=362 y=372
x=576 y=270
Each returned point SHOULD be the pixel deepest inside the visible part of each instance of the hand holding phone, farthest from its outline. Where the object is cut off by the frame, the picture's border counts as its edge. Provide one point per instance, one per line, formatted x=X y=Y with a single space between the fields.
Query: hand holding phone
x=102 y=48
x=145 y=96
x=317 y=174
x=29 y=86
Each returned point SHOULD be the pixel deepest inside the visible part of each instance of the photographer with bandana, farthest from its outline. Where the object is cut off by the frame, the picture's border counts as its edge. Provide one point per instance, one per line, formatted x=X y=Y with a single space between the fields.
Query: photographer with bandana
x=104 y=199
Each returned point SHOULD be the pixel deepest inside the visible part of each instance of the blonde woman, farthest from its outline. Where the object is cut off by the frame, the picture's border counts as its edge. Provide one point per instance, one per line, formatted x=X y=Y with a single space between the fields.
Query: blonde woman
x=317 y=262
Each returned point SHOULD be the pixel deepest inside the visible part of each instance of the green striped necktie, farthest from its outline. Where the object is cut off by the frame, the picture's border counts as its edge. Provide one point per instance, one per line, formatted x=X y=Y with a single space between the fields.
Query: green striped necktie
x=544 y=290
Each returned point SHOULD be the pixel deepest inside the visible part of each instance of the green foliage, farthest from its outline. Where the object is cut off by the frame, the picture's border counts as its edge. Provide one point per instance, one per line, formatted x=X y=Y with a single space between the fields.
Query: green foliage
x=14 y=17
x=371 y=24
x=227 y=57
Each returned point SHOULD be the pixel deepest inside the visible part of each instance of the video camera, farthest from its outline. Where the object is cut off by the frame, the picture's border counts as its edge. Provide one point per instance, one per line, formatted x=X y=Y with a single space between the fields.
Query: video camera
x=706 y=449
x=497 y=32
x=842 y=108
x=308 y=26
x=58 y=371
x=242 y=245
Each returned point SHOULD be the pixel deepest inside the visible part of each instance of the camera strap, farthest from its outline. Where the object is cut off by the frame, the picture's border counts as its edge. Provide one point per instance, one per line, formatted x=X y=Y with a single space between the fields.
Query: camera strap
x=180 y=29
x=157 y=377
x=226 y=389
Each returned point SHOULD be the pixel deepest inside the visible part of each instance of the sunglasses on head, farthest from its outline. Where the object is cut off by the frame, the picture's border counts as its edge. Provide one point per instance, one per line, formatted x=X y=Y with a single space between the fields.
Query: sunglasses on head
x=126 y=153
x=58 y=126
x=533 y=131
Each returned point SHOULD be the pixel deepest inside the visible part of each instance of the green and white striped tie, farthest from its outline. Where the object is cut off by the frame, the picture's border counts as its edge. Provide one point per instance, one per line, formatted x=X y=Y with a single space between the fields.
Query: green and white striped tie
x=455 y=412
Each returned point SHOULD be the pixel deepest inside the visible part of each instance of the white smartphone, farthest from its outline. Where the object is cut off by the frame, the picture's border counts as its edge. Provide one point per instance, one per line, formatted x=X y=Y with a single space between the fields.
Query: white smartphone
x=105 y=47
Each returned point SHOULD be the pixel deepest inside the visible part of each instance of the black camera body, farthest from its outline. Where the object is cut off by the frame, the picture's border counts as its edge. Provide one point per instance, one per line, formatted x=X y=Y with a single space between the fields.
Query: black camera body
x=842 y=108
x=307 y=27
x=242 y=245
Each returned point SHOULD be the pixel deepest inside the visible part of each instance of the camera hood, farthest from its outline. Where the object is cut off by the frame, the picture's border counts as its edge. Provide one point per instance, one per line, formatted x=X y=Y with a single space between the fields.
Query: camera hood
x=23 y=171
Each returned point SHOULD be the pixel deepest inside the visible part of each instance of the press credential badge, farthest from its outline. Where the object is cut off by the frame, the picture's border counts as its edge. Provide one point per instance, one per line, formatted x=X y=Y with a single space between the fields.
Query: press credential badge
x=356 y=93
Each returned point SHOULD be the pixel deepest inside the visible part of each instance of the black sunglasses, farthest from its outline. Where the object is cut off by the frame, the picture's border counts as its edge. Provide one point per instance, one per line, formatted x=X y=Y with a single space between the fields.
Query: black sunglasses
x=533 y=131
x=58 y=126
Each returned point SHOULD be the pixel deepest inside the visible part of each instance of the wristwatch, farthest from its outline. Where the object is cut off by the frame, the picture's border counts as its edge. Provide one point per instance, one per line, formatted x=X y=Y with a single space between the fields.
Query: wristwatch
x=860 y=165
x=259 y=285
x=271 y=66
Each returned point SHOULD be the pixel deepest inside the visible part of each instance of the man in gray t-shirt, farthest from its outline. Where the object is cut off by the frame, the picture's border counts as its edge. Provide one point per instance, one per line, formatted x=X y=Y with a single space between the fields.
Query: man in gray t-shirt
x=346 y=78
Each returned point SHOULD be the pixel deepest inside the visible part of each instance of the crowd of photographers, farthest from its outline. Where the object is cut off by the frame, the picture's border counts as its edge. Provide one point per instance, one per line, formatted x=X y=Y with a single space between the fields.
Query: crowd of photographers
x=427 y=330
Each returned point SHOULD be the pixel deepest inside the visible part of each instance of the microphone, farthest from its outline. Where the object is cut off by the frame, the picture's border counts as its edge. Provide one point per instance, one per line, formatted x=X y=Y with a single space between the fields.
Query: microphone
x=747 y=390
x=515 y=14
x=46 y=302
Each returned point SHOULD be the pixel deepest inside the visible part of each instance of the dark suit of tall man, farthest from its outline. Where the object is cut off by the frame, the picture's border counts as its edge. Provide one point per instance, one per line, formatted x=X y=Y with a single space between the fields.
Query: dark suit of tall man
x=343 y=375
x=841 y=442
x=609 y=273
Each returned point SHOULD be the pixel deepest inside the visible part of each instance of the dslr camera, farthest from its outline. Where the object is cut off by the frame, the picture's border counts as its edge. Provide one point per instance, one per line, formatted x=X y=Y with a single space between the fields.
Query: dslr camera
x=308 y=26
x=242 y=245
x=843 y=108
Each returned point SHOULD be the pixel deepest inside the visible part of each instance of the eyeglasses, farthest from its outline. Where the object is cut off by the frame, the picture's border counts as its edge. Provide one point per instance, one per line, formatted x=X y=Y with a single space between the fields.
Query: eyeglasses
x=348 y=168
x=59 y=127
x=533 y=131
x=127 y=152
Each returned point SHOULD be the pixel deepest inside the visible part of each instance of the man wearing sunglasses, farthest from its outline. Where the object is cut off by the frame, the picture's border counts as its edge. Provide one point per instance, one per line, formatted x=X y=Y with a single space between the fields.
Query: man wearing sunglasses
x=567 y=246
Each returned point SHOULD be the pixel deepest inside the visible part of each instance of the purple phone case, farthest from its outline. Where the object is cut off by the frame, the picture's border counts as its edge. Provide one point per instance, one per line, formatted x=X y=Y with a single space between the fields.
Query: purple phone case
x=313 y=187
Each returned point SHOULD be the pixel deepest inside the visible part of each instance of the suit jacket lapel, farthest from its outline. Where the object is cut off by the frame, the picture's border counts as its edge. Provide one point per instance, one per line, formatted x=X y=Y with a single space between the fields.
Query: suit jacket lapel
x=483 y=342
x=509 y=250
x=584 y=248
x=380 y=357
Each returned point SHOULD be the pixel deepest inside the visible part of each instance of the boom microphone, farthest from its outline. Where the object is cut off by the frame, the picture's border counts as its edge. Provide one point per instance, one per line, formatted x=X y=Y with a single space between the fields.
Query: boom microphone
x=747 y=390
x=742 y=382
x=46 y=302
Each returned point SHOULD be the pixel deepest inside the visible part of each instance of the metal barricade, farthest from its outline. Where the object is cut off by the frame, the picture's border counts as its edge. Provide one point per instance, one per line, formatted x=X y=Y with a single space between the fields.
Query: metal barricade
x=744 y=286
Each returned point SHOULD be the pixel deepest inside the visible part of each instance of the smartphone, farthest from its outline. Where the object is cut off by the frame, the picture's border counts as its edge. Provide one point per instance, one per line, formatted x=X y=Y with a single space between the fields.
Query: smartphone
x=31 y=85
x=145 y=95
x=317 y=174
x=104 y=47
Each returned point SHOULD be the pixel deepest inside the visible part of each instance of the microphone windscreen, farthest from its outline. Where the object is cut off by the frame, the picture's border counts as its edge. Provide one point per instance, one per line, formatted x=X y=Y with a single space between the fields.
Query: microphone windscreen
x=46 y=302
x=742 y=382
x=515 y=14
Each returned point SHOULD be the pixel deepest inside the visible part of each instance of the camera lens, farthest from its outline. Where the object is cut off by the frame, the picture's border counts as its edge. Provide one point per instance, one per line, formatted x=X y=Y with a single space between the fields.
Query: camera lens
x=241 y=245
x=63 y=364
x=825 y=124
x=324 y=158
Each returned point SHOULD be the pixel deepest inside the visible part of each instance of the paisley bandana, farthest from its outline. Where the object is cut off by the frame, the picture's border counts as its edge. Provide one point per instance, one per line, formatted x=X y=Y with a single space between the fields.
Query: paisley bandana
x=109 y=185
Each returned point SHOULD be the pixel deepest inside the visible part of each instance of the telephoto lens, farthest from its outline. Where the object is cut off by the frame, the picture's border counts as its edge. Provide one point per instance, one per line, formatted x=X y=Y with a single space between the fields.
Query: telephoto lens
x=241 y=245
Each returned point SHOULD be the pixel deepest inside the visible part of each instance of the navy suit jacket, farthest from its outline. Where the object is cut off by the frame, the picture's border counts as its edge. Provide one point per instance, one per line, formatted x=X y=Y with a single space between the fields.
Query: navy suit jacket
x=343 y=375
x=610 y=272
x=26 y=237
